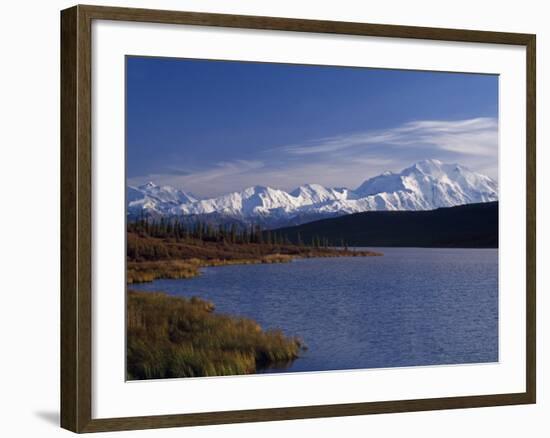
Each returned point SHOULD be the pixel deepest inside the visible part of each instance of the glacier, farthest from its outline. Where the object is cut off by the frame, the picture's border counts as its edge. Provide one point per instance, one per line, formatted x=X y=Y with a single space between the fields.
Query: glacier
x=426 y=185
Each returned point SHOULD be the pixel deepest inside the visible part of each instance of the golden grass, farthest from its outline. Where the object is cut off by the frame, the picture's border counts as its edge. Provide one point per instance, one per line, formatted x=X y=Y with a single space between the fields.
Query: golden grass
x=151 y=258
x=142 y=272
x=177 y=337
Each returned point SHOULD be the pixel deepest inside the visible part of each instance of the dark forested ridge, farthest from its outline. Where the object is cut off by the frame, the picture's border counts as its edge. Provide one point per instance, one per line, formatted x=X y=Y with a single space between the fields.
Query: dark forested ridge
x=465 y=226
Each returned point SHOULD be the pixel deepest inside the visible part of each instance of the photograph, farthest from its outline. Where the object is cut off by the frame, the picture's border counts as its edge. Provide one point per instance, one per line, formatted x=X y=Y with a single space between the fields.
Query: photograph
x=293 y=218
x=269 y=219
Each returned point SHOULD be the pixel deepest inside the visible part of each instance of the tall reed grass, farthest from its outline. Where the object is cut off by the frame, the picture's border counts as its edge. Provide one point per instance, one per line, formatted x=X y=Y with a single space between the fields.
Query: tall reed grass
x=178 y=337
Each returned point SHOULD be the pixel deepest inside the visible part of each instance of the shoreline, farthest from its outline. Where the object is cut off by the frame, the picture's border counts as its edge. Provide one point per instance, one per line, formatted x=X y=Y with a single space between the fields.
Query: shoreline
x=236 y=344
x=171 y=337
x=184 y=260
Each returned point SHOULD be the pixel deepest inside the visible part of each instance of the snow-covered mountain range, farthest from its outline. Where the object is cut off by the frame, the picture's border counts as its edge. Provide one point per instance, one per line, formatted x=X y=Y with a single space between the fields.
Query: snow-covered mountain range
x=426 y=185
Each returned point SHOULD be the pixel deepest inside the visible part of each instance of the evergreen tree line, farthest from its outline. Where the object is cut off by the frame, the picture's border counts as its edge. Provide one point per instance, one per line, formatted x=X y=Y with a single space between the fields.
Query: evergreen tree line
x=176 y=229
x=200 y=230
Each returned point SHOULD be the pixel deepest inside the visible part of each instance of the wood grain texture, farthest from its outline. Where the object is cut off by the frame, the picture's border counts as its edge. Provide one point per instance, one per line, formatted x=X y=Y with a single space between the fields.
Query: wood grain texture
x=300 y=25
x=76 y=186
x=76 y=222
x=531 y=304
x=69 y=330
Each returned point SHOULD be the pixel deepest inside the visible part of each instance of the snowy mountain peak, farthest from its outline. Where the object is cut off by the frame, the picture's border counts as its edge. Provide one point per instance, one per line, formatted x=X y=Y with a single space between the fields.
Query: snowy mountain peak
x=427 y=184
x=430 y=184
x=256 y=190
x=430 y=162
x=148 y=186
x=313 y=193
x=427 y=167
x=152 y=198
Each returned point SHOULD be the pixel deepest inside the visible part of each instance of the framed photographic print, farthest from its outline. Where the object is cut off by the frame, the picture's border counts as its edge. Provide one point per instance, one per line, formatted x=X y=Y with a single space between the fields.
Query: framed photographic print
x=269 y=218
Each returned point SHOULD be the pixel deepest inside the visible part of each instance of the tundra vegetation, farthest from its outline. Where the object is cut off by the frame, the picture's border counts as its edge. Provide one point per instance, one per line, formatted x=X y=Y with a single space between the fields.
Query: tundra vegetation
x=169 y=249
x=171 y=336
x=183 y=337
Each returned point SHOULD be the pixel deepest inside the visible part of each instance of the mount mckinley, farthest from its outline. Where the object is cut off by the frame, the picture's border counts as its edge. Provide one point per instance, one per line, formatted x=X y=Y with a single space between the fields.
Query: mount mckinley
x=426 y=185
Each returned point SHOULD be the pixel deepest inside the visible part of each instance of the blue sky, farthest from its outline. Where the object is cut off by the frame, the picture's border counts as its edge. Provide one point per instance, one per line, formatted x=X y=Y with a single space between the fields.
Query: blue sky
x=210 y=127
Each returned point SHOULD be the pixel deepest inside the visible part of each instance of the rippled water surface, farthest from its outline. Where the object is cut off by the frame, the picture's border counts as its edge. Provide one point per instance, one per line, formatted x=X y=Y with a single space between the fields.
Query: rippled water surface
x=410 y=307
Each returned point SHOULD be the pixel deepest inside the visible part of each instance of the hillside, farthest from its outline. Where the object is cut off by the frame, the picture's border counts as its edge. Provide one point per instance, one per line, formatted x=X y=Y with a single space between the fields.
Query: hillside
x=466 y=226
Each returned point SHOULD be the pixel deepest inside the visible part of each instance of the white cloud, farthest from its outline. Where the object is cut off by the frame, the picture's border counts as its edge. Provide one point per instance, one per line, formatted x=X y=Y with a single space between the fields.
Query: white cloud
x=347 y=159
x=478 y=136
x=204 y=182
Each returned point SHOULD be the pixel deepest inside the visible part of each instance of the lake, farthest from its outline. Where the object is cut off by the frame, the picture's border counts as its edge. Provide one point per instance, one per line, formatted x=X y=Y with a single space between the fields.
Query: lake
x=410 y=307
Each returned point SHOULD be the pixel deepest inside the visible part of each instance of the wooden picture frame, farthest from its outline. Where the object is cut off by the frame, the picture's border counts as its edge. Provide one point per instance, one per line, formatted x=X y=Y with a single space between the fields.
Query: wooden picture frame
x=76 y=218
